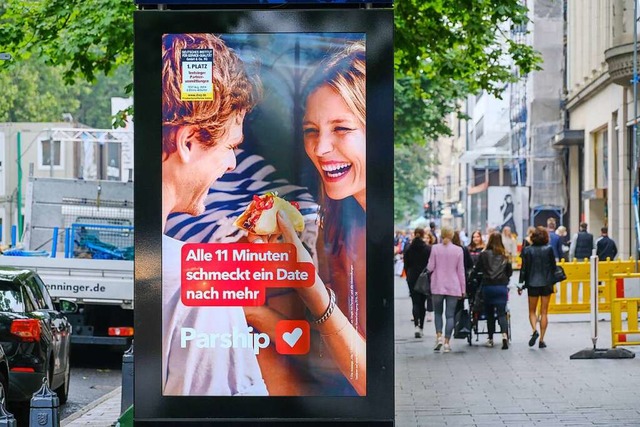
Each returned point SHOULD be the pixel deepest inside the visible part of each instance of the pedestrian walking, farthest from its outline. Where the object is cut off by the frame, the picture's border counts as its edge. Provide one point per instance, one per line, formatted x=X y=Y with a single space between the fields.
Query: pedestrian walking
x=416 y=258
x=495 y=267
x=476 y=246
x=510 y=243
x=446 y=265
x=432 y=231
x=605 y=246
x=464 y=238
x=527 y=239
x=565 y=241
x=466 y=255
x=536 y=276
x=581 y=244
x=400 y=243
x=554 y=239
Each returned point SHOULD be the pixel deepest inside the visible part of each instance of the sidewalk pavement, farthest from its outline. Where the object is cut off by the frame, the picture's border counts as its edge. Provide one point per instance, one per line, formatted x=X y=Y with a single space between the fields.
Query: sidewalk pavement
x=521 y=386
x=480 y=386
x=103 y=412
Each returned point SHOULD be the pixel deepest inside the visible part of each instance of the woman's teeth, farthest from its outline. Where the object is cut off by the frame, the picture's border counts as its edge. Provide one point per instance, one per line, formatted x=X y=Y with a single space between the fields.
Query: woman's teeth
x=336 y=170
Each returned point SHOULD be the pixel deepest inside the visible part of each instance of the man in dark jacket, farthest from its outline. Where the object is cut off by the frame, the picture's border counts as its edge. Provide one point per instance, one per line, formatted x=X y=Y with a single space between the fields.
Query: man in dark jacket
x=416 y=258
x=581 y=244
x=605 y=246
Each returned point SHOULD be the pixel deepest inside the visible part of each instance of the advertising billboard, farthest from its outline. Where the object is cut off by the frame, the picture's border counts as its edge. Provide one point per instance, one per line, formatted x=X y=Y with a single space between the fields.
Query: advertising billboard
x=258 y=264
x=508 y=207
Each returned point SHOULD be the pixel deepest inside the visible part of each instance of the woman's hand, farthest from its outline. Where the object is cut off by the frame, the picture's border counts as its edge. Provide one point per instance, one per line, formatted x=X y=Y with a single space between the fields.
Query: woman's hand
x=255 y=238
x=289 y=235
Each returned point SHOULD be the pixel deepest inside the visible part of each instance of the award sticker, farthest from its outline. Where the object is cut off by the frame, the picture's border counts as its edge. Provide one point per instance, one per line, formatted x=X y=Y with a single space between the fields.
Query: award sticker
x=197 y=75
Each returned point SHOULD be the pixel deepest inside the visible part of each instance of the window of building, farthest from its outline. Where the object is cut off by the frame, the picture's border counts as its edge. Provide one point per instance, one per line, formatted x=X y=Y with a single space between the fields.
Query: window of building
x=601 y=158
x=49 y=151
x=113 y=161
x=480 y=128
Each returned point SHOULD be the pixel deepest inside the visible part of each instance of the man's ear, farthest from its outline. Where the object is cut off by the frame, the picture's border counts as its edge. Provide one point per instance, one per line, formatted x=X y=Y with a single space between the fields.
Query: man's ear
x=239 y=116
x=184 y=143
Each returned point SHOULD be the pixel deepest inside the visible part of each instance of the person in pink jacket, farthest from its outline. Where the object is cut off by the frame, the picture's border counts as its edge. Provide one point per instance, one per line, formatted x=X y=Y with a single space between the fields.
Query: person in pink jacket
x=446 y=265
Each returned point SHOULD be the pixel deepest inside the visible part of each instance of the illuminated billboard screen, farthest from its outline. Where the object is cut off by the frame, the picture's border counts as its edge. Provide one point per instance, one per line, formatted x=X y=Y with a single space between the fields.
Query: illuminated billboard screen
x=261 y=184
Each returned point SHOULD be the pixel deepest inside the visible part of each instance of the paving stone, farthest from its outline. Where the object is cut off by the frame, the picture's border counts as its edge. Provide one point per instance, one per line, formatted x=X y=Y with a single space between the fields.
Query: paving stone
x=522 y=385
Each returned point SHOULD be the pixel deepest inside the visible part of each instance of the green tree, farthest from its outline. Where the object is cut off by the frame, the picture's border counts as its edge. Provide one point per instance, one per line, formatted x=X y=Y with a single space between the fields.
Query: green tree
x=411 y=170
x=86 y=37
x=444 y=51
x=95 y=100
x=448 y=49
x=34 y=92
x=89 y=41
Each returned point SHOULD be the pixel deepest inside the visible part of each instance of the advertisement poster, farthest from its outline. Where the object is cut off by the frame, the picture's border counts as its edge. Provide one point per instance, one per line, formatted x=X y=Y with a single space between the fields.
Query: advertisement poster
x=264 y=214
x=508 y=207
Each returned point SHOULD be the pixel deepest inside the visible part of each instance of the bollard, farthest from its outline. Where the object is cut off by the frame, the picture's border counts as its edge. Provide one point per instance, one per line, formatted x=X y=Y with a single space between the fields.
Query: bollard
x=6 y=418
x=127 y=380
x=44 y=407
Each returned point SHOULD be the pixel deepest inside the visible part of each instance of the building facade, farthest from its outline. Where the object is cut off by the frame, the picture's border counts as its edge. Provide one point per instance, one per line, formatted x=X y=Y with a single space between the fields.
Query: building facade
x=55 y=150
x=599 y=108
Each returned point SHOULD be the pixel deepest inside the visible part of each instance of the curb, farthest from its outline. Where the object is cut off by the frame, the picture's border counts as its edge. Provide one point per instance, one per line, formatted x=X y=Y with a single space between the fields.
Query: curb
x=90 y=406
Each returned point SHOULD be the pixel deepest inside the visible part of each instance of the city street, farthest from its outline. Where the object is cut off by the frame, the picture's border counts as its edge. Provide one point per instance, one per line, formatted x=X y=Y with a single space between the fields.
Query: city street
x=480 y=386
x=521 y=386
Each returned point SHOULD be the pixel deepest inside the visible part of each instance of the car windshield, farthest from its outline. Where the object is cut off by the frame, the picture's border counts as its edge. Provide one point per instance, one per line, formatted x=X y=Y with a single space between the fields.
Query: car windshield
x=11 y=298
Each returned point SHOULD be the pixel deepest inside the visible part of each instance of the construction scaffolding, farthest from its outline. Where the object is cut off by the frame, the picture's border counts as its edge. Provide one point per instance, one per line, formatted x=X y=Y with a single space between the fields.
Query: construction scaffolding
x=547 y=170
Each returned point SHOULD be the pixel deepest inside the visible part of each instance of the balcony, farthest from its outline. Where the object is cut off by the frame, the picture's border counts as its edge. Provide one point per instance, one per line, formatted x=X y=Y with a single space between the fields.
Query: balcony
x=620 y=63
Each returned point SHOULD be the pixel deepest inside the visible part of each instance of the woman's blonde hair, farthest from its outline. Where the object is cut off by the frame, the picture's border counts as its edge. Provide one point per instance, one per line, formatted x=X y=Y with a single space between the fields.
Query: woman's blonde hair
x=446 y=233
x=344 y=72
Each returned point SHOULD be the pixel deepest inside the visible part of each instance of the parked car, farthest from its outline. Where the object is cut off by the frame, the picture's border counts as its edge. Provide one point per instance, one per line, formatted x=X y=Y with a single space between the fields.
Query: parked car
x=4 y=378
x=35 y=337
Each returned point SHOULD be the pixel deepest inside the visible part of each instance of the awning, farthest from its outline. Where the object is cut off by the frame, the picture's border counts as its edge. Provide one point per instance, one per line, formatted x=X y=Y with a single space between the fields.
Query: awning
x=568 y=137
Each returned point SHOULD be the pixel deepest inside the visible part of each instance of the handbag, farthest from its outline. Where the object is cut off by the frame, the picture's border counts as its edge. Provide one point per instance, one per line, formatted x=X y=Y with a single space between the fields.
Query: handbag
x=423 y=284
x=559 y=275
x=462 y=327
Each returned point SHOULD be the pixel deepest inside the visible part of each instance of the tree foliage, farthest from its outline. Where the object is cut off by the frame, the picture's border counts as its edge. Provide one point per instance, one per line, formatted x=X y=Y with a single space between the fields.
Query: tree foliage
x=448 y=49
x=444 y=51
x=34 y=92
x=86 y=37
x=411 y=170
x=85 y=45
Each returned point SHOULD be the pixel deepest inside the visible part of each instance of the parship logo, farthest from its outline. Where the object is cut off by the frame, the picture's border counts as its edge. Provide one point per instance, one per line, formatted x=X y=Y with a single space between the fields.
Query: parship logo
x=236 y=339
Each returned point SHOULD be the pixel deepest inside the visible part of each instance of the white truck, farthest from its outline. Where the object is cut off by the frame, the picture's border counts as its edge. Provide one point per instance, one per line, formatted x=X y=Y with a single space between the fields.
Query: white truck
x=88 y=225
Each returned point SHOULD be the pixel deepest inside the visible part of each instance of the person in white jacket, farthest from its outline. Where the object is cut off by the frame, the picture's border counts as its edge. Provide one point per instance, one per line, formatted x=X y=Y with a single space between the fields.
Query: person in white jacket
x=198 y=142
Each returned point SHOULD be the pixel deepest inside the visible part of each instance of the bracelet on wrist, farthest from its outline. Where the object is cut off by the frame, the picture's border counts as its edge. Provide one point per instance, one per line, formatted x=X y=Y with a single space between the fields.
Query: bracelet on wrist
x=329 y=311
x=337 y=331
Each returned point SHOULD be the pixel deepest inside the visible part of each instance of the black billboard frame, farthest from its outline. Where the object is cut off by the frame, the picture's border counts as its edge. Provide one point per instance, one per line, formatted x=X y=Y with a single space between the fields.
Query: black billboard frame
x=377 y=407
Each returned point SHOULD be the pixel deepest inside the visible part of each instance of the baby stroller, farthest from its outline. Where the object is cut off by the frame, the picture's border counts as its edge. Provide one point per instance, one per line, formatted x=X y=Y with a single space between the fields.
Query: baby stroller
x=479 y=324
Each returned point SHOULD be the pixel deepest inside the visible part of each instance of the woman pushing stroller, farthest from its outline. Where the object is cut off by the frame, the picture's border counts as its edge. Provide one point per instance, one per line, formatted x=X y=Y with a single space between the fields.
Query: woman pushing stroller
x=495 y=269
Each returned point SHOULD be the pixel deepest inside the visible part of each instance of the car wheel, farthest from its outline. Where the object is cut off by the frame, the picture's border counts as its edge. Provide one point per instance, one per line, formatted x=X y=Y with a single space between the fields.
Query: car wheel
x=63 y=390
